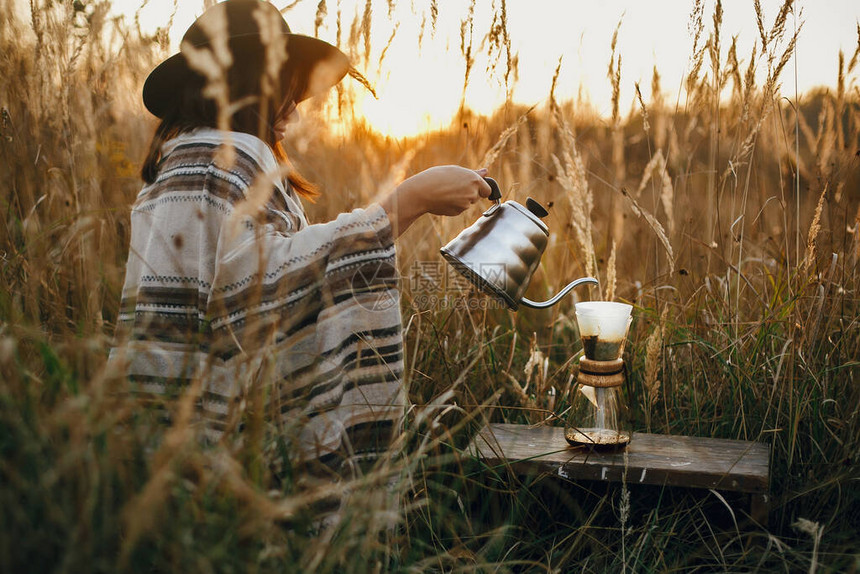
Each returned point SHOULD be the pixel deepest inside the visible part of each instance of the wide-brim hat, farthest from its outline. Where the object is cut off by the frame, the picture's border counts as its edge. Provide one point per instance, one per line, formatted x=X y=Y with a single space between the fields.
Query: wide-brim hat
x=236 y=29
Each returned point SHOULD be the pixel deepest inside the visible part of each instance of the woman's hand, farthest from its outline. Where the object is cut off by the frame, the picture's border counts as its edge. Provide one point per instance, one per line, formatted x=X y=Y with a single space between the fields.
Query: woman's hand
x=441 y=190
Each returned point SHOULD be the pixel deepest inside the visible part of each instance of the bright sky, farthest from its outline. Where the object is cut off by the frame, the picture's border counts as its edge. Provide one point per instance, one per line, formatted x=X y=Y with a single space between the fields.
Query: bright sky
x=420 y=88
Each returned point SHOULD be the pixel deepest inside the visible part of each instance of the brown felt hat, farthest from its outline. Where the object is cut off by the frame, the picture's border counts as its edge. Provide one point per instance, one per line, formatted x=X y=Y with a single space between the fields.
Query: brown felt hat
x=226 y=36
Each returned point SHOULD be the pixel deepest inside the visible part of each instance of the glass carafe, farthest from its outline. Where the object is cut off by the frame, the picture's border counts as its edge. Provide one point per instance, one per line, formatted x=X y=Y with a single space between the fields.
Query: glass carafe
x=598 y=416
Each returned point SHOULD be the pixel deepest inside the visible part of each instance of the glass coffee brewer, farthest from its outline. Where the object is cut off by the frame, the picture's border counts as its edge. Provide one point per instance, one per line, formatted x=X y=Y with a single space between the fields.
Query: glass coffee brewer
x=598 y=415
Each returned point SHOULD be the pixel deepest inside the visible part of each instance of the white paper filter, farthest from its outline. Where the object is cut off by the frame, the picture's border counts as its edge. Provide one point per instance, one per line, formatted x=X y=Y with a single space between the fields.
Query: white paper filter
x=607 y=320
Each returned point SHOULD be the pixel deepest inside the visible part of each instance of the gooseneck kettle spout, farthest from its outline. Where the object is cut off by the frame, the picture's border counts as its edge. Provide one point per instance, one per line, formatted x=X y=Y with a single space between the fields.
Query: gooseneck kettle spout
x=500 y=252
x=555 y=299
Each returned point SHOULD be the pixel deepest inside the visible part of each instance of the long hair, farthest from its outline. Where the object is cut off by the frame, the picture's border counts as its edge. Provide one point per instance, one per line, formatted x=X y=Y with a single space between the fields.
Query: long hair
x=192 y=109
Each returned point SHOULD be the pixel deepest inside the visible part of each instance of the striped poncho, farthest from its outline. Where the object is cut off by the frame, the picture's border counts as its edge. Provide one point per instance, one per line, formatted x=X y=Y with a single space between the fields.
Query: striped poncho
x=228 y=286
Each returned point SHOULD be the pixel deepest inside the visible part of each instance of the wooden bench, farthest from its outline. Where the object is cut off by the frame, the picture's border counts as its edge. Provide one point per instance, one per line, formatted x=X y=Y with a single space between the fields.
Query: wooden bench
x=693 y=462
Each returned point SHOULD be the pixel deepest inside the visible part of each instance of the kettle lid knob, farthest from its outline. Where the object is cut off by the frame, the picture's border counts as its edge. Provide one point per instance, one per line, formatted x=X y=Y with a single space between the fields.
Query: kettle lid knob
x=536 y=208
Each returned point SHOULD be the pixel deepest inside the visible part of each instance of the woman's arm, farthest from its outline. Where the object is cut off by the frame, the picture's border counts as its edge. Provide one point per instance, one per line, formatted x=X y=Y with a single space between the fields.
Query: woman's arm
x=440 y=190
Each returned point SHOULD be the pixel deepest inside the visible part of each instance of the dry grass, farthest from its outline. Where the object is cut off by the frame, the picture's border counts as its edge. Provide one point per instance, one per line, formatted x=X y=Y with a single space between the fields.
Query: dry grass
x=742 y=262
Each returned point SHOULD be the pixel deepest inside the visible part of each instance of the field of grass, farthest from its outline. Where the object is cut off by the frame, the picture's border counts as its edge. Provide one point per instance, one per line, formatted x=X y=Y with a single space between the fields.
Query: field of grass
x=730 y=218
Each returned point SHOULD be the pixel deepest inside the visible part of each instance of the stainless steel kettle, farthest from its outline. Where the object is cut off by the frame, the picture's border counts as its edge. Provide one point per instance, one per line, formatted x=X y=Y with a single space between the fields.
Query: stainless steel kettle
x=500 y=252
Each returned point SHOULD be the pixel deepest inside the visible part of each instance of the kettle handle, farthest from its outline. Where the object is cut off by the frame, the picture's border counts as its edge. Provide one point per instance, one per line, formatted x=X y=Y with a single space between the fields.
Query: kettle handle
x=559 y=295
x=495 y=192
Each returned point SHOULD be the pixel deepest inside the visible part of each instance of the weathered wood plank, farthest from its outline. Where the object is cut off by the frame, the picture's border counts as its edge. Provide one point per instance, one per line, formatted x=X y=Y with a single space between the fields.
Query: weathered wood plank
x=695 y=462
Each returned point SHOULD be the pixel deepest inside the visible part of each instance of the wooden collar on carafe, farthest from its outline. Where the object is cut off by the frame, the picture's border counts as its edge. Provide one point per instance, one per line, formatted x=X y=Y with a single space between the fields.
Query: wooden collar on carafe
x=601 y=373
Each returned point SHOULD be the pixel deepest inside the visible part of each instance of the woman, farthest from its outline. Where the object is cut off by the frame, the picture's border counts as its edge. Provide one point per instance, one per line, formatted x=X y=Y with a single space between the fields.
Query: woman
x=230 y=294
